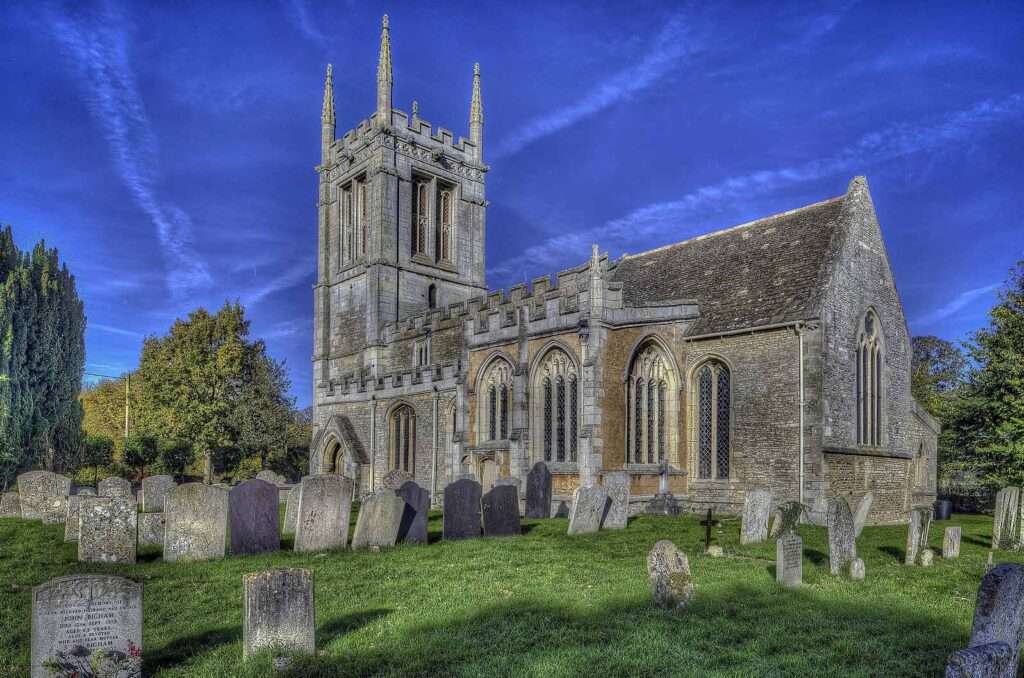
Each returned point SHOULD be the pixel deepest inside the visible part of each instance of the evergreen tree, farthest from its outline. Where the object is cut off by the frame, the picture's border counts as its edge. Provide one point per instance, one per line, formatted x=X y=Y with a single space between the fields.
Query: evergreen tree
x=140 y=452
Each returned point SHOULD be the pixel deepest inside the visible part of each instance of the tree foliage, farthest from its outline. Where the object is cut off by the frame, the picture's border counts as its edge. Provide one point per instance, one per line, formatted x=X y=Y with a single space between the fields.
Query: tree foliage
x=103 y=411
x=938 y=369
x=98 y=451
x=141 y=451
x=175 y=457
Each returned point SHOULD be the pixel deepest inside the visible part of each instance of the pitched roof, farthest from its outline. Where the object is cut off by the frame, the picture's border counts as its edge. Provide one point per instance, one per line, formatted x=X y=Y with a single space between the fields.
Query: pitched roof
x=760 y=273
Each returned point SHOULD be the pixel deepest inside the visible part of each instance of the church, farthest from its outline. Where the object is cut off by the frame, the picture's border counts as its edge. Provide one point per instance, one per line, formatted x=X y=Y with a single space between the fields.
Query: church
x=770 y=354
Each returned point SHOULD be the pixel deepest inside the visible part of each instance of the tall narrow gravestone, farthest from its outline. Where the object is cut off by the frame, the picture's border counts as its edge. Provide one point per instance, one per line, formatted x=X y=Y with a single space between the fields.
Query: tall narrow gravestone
x=842 y=543
x=380 y=516
x=71 y=522
x=668 y=570
x=998 y=620
x=538 y=491
x=589 y=505
x=860 y=518
x=501 y=511
x=254 y=515
x=1007 y=524
x=87 y=625
x=44 y=496
x=154 y=492
x=917 y=534
x=325 y=507
x=291 y=509
x=10 y=505
x=617 y=484
x=107 y=529
x=413 y=528
x=279 y=612
x=951 y=543
x=789 y=563
x=151 y=529
x=462 y=509
x=114 y=487
x=757 y=508
x=196 y=522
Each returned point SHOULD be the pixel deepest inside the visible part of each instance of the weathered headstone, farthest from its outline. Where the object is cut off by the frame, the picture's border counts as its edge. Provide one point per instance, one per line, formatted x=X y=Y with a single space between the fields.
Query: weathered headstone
x=151 y=529
x=114 y=487
x=154 y=492
x=927 y=557
x=999 y=614
x=325 y=507
x=860 y=518
x=1007 y=523
x=462 y=509
x=501 y=511
x=87 y=625
x=196 y=522
x=272 y=477
x=279 y=612
x=380 y=517
x=108 y=529
x=951 y=543
x=394 y=479
x=757 y=507
x=842 y=542
x=789 y=560
x=991 y=660
x=10 y=505
x=538 y=491
x=669 y=572
x=413 y=529
x=71 y=522
x=857 y=569
x=617 y=484
x=589 y=506
x=917 y=533
x=254 y=516
x=44 y=496
x=786 y=518
x=291 y=509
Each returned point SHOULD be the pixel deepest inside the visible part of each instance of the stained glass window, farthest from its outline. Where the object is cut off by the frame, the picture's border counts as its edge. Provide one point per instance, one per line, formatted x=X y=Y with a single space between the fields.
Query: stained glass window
x=661 y=422
x=869 y=383
x=504 y=412
x=493 y=418
x=651 y=413
x=560 y=417
x=573 y=428
x=722 y=425
x=704 y=438
x=638 y=422
x=547 y=420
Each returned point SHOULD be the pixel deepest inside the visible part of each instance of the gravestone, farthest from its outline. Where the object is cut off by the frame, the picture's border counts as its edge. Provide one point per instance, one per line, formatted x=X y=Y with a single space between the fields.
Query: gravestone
x=87 y=625
x=108 y=529
x=589 y=506
x=999 y=614
x=842 y=542
x=380 y=517
x=538 y=491
x=501 y=511
x=254 y=516
x=279 y=612
x=325 y=507
x=394 y=479
x=917 y=533
x=71 y=522
x=1007 y=523
x=860 y=518
x=786 y=518
x=151 y=529
x=114 y=487
x=196 y=522
x=617 y=484
x=991 y=660
x=154 y=492
x=927 y=557
x=10 y=505
x=291 y=509
x=951 y=543
x=709 y=523
x=272 y=477
x=757 y=507
x=857 y=569
x=669 y=572
x=44 y=496
x=462 y=509
x=413 y=528
x=789 y=560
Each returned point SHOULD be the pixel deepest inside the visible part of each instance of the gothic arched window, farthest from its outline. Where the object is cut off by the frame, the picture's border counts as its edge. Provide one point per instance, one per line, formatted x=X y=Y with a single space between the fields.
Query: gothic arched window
x=361 y=221
x=713 y=418
x=402 y=447
x=869 y=382
x=421 y=217
x=496 y=398
x=556 y=391
x=445 y=208
x=651 y=406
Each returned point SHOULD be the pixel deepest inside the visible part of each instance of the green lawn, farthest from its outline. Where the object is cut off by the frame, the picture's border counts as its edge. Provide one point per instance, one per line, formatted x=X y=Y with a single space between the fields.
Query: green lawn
x=544 y=604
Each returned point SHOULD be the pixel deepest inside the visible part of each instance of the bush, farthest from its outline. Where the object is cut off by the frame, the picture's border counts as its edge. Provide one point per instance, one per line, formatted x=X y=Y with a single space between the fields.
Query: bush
x=140 y=452
x=176 y=456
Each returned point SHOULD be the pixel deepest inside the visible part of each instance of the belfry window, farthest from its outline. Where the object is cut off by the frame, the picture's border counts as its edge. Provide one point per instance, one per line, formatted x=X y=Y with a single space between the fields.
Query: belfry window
x=444 y=214
x=713 y=417
x=869 y=382
x=421 y=217
x=556 y=390
x=347 y=233
x=496 y=399
x=402 y=427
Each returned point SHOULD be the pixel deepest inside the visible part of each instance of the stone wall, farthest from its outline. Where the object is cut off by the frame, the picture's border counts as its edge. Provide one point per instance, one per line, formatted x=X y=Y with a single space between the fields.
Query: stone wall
x=853 y=475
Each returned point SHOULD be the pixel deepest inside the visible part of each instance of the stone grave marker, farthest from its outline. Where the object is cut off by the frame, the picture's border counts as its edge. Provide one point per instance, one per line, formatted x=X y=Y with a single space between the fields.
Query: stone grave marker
x=10 y=505
x=114 y=487
x=538 y=491
x=757 y=507
x=669 y=572
x=87 y=625
x=279 y=612
x=789 y=560
x=951 y=543
x=860 y=518
x=999 y=619
x=842 y=542
x=380 y=517
x=857 y=569
x=325 y=508
x=272 y=477
x=927 y=557
x=1007 y=523
x=501 y=511
x=395 y=478
x=917 y=533
x=107 y=529
x=589 y=506
x=154 y=492
x=413 y=528
x=196 y=522
x=71 y=522
x=44 y=496
x=254 y=516
x=151 y=529
x=991 y=660
x=291 y=509
x=617 y=484
x=462 y=509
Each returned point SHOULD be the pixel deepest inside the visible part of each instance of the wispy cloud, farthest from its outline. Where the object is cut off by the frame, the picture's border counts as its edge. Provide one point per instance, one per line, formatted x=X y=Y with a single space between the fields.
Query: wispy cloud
x=960 y=301
x=97 y=44
x=287 y=329
x=920 y=56
x=653 y=222
x=298 y=15
x=288 y=279
x=110 y=329
x=672 y=45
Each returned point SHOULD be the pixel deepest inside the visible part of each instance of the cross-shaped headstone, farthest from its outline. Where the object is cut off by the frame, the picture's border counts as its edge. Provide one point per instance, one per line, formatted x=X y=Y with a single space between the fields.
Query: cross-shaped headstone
x=708 y=523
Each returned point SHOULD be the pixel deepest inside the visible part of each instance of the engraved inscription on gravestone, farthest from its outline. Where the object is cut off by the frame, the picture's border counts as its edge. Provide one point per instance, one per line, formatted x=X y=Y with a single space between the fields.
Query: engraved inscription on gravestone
x=789 y=553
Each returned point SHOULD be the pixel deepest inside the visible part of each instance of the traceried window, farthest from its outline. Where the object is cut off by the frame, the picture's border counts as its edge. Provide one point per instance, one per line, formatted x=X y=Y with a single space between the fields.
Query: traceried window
x=421 y=217
x=362 y=226
x=496 y=398
x=444 y=213
x=421 y=351
x=869 y=382
x=347 y=233
x=713 y=418
x=651 y=406
x=556 y=390
x=402 y=432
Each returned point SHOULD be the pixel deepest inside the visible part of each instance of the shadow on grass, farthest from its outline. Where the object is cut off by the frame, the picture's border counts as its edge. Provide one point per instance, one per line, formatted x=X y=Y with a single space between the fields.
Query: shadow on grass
x=339 y=626
x=188 y=646
x=815 y=556
x=897 y=553
x=984 y=543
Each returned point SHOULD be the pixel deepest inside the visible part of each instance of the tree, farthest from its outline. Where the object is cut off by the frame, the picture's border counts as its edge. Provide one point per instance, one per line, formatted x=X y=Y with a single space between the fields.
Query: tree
x=175 y=457
x=103 y=410
x=98 y=451
x=140 y=452
x=938 y=369
x=264 y=411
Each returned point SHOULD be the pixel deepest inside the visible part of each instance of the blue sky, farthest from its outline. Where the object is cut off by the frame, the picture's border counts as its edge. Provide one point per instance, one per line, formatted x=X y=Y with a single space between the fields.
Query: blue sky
x=167 y=149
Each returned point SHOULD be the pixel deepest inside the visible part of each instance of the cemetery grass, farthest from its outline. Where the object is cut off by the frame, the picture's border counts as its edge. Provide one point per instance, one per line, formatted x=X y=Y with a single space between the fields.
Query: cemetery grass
x=543 y=604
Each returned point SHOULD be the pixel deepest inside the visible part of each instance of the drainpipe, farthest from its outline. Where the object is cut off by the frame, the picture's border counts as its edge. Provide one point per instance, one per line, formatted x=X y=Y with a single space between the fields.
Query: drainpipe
x=800 y=366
